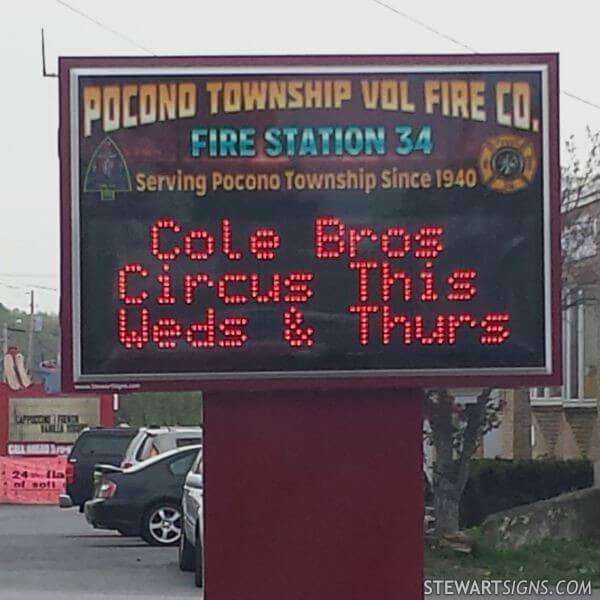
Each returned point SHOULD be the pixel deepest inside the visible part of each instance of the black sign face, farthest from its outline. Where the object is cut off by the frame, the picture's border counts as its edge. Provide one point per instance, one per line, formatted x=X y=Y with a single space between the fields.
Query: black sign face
x=334 y=222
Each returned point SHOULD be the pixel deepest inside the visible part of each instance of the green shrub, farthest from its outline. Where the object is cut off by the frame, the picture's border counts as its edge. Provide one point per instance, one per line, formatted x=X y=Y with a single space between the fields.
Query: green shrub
x=496 y=484
x=160 y=408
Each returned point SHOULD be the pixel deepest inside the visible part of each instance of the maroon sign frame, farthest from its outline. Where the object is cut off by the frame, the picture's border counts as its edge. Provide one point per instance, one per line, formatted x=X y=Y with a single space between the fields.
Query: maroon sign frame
x=549 y=375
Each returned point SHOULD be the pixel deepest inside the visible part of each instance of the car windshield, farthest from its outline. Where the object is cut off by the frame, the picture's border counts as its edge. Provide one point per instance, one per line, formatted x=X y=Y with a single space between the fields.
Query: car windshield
x=164 y=456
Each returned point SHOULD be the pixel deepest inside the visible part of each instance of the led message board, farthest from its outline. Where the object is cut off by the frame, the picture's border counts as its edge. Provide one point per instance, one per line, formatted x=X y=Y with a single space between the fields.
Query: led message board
x=353 y=217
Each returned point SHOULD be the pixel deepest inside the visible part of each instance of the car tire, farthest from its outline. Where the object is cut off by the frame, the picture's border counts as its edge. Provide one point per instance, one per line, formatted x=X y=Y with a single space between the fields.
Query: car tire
x=162 y=524
x=198 y=566
x=186 y=555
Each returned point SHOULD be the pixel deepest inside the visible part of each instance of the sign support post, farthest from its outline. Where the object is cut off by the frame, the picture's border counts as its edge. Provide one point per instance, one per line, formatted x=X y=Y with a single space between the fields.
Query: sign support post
x=313 y=495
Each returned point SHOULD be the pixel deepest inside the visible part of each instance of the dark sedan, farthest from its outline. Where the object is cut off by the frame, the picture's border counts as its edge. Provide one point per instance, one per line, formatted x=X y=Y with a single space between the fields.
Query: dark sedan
x=96 y=445
x=144 y=500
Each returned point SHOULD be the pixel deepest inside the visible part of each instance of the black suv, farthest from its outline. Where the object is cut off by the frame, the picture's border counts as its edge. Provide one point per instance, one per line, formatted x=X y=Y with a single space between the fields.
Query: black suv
x=97 y=445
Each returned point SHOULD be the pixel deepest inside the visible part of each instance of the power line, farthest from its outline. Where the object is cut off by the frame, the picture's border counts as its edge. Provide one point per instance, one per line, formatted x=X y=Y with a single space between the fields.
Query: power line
x=106 y=27
x=42 y=287
x=33 y=275
x=588 y=102
x=394 y=9
x=28 y=286
x=425 y=26
x=449 y=38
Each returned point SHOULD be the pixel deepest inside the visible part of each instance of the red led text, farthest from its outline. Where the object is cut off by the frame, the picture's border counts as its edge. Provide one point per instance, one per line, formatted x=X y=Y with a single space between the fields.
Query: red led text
x=394 y=287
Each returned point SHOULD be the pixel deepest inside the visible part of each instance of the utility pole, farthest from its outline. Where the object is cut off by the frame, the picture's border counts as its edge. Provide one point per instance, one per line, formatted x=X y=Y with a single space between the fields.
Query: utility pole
x=4 y=348
x=30 y=343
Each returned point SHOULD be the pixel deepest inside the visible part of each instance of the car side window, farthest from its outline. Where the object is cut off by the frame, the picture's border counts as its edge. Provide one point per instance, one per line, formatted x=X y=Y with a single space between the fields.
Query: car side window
x=154 y=451
x=181 y=442
x=197 y=466
x=181 y=466
x=144 y=450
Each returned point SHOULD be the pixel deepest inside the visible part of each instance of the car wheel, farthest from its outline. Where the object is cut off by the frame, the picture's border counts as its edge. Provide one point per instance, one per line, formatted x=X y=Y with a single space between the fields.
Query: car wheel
x=186 y=553
x=198 y=570
x=161 y=524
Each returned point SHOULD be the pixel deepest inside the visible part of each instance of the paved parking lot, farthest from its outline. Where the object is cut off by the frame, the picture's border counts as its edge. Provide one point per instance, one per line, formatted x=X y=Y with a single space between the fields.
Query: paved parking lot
x=53 y=554
x=49 y=553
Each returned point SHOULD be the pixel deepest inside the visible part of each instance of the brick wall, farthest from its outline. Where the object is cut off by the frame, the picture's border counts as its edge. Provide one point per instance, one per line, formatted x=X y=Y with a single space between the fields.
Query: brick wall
x=516 y=425
x=565 y=430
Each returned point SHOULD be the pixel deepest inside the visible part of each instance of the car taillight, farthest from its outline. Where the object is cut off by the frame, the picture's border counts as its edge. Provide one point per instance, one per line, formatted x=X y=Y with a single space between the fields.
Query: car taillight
x=107 y=489
x=70 y=473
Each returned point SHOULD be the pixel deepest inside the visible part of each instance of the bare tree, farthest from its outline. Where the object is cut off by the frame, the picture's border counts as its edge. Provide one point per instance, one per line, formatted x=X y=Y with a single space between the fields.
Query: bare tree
x=581 y=277
x=577 y=176
x=579 y=232
x=456 y=432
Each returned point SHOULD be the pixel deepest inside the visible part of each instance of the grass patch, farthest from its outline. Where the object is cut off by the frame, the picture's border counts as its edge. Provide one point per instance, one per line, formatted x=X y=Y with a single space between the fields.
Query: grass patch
x=551 y=560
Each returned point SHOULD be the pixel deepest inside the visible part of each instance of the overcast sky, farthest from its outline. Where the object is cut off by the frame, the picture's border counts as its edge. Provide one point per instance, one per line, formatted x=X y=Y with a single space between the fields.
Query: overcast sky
x=29 y=229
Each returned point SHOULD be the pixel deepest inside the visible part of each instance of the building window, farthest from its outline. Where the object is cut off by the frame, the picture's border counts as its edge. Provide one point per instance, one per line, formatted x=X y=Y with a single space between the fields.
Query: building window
x=580 y=354
x=573 y=328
